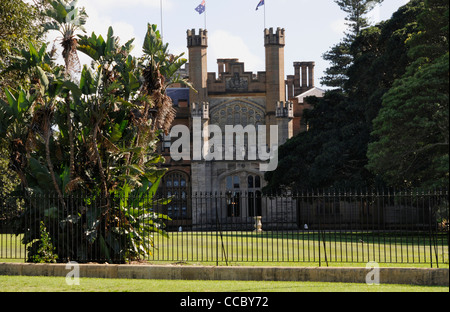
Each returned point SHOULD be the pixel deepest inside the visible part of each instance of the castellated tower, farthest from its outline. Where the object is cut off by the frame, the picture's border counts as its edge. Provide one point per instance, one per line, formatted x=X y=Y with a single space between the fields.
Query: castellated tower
x=274 y=43
x=237 y=101
x=198 y=60
x=201 y=171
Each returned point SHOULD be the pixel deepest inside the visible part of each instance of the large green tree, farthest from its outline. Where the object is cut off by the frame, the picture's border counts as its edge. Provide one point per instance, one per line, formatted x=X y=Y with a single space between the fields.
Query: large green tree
x=412 y=128
x=19 y=24
x=333 y=153
x=339 y=56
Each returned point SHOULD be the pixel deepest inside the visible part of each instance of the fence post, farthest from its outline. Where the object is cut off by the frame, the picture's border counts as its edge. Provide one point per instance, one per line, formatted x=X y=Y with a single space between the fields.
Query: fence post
x=436 y=232
x=320 y=256
x=217 y=233
x=429 y=229
x=321 y=232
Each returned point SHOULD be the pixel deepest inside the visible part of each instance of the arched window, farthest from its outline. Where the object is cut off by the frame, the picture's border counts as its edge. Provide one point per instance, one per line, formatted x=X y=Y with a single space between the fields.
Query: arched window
x=237 y=113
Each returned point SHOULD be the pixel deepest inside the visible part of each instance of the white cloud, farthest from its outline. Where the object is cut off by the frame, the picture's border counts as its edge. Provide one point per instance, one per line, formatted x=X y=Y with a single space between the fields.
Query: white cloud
x=223 y=44
x=99 y=24
x=339 y=26
x=375 y=15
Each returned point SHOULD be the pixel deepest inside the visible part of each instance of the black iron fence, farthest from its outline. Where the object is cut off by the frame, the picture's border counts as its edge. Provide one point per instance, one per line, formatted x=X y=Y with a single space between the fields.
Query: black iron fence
x=319 y=226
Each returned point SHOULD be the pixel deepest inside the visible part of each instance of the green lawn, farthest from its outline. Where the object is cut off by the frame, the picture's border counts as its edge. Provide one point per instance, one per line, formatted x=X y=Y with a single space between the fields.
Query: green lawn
x=244 y=248
x=11 y=247
x=288 y=247
x=282 y=248
x=58 y=284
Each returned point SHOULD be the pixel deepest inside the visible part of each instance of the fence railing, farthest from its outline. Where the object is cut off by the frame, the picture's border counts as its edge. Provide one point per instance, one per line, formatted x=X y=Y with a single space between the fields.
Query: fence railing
x=322 y=227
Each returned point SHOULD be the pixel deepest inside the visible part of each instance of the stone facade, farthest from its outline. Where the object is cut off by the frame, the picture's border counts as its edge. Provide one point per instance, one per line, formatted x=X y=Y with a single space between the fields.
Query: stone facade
x=233 y=96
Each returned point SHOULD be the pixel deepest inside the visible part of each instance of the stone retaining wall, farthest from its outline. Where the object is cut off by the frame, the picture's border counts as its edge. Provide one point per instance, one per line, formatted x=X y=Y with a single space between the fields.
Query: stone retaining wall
x=410 y=276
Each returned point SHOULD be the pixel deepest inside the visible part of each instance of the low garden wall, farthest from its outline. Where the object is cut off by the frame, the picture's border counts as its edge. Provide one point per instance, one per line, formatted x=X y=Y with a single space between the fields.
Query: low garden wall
x=410 y=276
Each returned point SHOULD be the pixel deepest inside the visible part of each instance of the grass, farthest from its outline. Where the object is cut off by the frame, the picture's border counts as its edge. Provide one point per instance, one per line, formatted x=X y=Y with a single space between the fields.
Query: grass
x=282 y=248
x=11 y=247
x=58 y=284
x=298 y=247
x=241 y=249
x=300 y=264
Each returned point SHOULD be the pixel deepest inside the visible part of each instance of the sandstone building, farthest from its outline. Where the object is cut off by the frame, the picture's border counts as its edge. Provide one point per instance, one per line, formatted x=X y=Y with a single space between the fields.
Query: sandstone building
x=232 y=96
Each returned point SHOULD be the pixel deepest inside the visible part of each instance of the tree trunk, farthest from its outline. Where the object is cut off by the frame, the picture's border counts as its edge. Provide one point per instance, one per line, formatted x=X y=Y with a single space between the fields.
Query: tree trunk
x=50 y=168
x=100 y=165
x=71 y=140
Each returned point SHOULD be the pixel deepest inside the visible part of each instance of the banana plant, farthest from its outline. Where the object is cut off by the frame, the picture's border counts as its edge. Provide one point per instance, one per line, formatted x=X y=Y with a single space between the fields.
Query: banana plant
x=115 y=59
x=136 y=212
x=159 y=70
x=28 y=113
x=157 y=56
x=26 y=61
x=120 y=145
x=15 y=114
x=14 y=109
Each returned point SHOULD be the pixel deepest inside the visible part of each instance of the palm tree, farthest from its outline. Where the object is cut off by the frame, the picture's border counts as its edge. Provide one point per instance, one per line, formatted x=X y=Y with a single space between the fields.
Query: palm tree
x=67 y=18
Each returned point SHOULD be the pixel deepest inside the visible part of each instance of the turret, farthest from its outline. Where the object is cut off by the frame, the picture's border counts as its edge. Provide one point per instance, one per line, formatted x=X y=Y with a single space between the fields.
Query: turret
x=285 y=115
x=198 y=72
x=285 y=109
x=200 y=110
x=271 y=38
x=197 y=40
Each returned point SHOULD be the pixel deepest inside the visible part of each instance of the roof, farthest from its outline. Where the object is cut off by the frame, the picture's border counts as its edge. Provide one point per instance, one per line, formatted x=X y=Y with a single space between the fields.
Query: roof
x=311 y=92
x=177 y=94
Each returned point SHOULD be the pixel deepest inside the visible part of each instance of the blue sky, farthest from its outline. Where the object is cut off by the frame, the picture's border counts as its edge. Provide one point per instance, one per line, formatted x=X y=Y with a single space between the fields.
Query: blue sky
x=235 y=28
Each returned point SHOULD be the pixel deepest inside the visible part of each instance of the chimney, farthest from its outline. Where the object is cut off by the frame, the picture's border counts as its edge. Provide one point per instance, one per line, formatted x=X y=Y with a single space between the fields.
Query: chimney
x=304 y=77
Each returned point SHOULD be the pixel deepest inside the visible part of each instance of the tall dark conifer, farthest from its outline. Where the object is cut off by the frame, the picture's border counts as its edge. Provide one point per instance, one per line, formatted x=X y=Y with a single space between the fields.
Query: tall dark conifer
x=339 y=55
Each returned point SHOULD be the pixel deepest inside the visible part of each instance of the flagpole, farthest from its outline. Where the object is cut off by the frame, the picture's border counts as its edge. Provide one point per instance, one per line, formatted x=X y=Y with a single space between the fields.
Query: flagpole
x=161 y=9
x=265 y=3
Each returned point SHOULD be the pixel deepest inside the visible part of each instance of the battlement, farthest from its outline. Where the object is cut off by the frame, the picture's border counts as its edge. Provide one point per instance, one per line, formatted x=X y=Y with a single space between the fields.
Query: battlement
x=285 y=109
x=225 y=65
x=271 y=38
x=197 y=40
x=200 y=110
x=234 y=79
